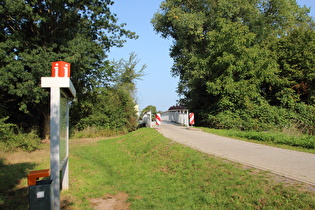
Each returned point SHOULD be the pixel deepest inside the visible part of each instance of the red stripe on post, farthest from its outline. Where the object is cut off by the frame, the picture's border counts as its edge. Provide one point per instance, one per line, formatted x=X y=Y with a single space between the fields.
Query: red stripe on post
x=191 y=119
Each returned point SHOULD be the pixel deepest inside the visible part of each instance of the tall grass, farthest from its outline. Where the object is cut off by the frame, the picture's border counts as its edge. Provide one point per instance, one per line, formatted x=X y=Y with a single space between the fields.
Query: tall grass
x=95 y=132
x=160 y=174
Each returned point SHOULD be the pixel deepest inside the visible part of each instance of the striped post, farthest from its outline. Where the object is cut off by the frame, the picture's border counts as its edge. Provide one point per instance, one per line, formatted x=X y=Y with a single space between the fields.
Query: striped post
x=191 y=118
x=158 y=119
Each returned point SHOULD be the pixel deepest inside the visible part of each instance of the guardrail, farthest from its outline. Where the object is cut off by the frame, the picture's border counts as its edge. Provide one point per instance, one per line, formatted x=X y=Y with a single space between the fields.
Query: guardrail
x=179 y=116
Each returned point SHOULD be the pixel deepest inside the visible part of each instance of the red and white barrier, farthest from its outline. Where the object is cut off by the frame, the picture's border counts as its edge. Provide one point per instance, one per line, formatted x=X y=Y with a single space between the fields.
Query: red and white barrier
x=191 y=118
x=158 y=119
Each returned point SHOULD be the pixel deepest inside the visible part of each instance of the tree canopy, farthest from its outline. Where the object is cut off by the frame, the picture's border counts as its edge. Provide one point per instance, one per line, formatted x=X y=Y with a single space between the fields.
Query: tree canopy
x=35 y=33
x=242 y=64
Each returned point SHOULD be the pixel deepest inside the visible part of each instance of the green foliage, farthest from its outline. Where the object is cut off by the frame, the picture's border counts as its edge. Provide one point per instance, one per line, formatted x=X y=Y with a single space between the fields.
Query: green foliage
x=11 y=140
x=126 y=72
x=149 y=108
x=35 y=33
x=112 y=108
x=242 y=63
x=296 y=57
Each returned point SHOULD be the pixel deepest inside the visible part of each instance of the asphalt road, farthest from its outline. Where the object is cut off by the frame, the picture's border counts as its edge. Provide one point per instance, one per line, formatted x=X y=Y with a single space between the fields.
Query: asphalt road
x=299 y=166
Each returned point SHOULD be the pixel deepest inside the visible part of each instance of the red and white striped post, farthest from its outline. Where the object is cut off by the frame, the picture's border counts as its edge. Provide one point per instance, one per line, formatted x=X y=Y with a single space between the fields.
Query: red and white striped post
x=158 y=119
x=191 y=118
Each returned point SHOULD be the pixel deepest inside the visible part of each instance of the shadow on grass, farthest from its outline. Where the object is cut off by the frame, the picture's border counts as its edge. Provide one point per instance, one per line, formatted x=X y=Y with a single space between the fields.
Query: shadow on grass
x=10 y=176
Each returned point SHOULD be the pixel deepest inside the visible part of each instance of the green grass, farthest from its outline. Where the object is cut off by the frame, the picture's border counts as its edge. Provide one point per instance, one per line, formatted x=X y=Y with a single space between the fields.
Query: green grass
x=14 y=168
x=157 y=173
x=304 y=143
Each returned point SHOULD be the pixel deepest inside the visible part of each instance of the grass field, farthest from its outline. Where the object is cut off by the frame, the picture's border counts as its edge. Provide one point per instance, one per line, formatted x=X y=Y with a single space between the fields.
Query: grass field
x=151 y=172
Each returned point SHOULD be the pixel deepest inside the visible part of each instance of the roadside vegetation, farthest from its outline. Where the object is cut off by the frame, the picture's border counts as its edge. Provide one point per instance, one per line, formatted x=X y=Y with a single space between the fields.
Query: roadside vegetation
x=243 y=65
x=295 y=141
x=155 y=173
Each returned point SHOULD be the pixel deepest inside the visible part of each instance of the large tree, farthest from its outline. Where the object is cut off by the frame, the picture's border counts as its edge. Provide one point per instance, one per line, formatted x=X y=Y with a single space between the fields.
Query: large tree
x=35 y=33
x=226 y=55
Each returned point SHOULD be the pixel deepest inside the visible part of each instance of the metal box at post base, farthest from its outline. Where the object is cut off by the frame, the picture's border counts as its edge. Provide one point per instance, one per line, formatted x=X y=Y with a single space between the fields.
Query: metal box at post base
x=40 y=195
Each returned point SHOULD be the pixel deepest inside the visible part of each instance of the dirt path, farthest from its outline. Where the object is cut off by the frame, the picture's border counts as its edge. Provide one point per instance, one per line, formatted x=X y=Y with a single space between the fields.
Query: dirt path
x=295 y=165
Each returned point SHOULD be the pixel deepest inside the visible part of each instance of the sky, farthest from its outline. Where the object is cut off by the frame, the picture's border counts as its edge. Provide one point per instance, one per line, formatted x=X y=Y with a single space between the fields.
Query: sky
x=157 y=87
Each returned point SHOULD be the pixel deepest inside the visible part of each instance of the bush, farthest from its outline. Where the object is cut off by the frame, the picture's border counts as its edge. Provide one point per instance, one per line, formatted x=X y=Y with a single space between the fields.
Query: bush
x=266 y=118
x=113 y=109
x=12 y=139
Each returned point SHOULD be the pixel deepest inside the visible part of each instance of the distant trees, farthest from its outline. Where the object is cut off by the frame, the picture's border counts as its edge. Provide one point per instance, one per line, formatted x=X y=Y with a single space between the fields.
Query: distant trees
x=242 y=64
x=176 y=107
x=35 y=33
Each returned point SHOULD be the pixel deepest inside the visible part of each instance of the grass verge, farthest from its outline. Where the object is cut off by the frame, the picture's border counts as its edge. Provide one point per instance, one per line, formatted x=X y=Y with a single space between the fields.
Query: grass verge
x=302 y=143
x=156 y=173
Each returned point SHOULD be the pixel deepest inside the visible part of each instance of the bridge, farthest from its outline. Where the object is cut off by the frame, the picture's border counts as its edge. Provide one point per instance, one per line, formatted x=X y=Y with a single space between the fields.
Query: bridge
x=179 y=116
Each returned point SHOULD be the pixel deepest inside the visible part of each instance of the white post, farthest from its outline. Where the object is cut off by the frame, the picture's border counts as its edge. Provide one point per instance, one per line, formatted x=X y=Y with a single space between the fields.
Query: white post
x=187 y=118
x=150 y=119
x=54 y=145
x=57 y=86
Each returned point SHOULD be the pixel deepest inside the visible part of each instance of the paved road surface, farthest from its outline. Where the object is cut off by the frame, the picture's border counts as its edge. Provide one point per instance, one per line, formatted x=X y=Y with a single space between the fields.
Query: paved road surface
x=292 y=164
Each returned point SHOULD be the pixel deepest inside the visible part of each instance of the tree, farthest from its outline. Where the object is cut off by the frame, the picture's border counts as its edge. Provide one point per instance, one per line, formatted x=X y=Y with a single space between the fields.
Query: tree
x=113 y=106
x=149 y=108
x=224 y=53
x=113 y=109
x=296 y=58
x=126 y=73
x=35 y=33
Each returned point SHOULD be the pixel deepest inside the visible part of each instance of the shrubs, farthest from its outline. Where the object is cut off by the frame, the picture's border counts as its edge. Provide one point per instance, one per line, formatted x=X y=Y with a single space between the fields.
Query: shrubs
x=265 y=118
x=113 y=109
x=11 y=139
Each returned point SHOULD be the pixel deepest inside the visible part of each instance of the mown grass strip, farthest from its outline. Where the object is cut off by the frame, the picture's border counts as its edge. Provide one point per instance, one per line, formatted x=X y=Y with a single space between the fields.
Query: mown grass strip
x=160 y=174
x=304 y=142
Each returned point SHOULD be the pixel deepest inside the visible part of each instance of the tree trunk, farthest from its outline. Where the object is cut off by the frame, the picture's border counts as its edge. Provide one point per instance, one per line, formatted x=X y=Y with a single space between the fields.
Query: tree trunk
x=46 y=131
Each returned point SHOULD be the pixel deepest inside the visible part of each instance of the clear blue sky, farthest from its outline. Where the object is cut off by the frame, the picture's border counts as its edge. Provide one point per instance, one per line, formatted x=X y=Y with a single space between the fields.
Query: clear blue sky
x=157 y=87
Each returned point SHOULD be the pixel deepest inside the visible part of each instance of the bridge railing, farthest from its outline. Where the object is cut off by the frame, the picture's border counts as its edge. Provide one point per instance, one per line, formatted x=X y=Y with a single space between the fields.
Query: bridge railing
x=179 y=116
x=147 y=118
